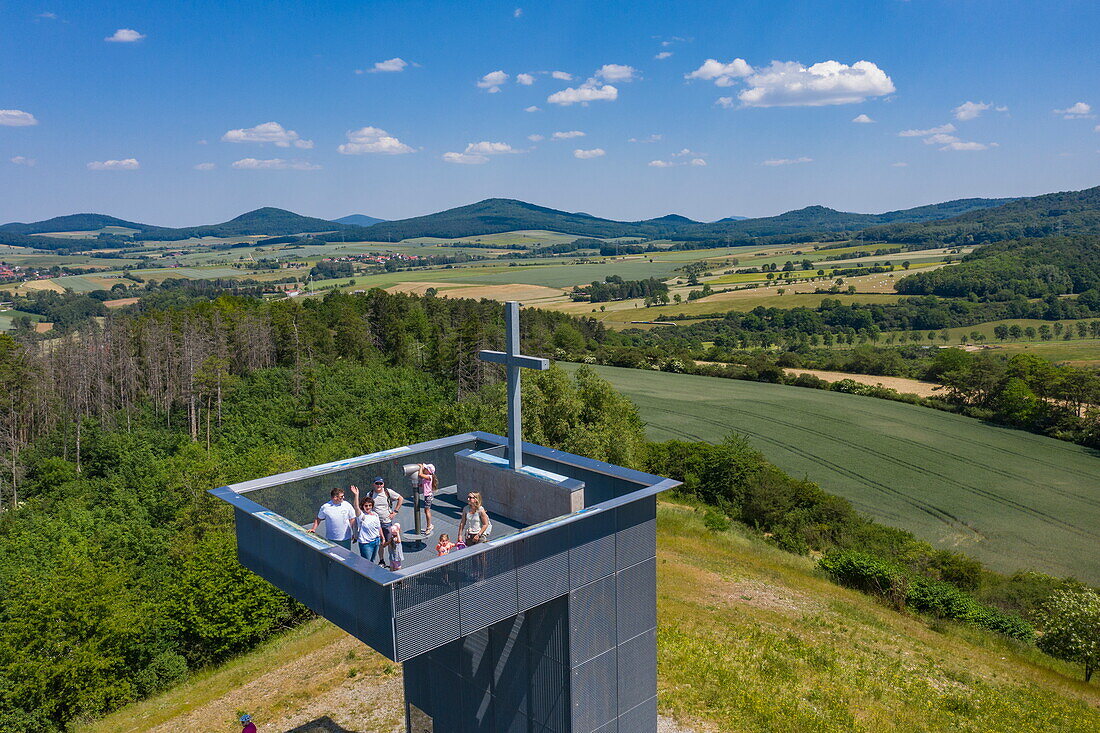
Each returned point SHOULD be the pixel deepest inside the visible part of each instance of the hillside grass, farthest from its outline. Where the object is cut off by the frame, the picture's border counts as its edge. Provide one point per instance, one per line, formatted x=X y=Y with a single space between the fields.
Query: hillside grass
x=750 y=638
x=1011 y=498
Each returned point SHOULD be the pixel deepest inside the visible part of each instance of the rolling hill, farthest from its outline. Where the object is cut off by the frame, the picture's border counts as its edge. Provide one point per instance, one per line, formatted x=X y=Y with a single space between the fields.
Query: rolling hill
x=1067 y=212
x=267 y=220
x=73 y=223
x=749 y=639
x=493 y=216
x=359 y=220
x=1009 y=498
x=498 y=215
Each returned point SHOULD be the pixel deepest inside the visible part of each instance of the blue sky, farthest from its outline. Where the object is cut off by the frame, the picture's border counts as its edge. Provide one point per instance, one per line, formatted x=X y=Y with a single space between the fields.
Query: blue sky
x=117 y=126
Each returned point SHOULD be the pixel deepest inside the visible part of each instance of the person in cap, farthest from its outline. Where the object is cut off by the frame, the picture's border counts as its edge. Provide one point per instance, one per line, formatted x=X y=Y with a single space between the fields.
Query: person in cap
x=386 y=503
x=247 y=725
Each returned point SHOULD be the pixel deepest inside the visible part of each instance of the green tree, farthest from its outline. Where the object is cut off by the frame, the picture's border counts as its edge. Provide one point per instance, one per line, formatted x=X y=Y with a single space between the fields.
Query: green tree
x=1001 y=332
x=1015 y=331
x=1072 y=628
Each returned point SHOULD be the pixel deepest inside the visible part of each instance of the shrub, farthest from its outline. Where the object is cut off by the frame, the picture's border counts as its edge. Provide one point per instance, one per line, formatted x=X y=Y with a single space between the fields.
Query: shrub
x=936 y=597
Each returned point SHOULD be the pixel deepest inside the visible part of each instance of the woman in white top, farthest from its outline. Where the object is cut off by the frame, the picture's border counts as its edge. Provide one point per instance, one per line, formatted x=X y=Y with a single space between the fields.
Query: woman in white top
x=369 y=530
x=474 y=525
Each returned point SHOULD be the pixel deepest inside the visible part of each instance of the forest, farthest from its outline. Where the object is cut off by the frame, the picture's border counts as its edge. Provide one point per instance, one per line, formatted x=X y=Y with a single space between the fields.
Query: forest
x=1029 y=268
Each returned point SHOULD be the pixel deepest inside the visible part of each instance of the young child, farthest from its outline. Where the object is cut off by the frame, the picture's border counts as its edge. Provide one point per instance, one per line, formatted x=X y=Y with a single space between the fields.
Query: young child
x=427 y=483
x=396 y=551
x=445 y=545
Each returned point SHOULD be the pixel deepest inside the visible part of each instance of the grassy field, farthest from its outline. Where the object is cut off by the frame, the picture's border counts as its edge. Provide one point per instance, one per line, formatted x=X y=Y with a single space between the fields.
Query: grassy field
x=1010 y=498
x=749 y=639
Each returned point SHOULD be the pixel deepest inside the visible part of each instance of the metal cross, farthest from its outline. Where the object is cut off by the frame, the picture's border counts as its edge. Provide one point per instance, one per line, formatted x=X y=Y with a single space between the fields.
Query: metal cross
x=514 y=361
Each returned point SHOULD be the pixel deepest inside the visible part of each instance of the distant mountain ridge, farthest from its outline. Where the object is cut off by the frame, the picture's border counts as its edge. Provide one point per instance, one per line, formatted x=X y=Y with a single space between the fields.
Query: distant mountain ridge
x=493 y=216
x=499 y=215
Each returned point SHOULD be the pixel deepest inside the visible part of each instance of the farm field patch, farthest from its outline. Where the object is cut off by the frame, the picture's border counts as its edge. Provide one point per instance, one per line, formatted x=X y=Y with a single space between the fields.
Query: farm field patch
x=1012 y=499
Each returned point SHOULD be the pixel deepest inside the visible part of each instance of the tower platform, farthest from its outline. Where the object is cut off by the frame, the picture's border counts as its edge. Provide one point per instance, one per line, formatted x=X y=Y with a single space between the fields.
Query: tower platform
x=550 y=625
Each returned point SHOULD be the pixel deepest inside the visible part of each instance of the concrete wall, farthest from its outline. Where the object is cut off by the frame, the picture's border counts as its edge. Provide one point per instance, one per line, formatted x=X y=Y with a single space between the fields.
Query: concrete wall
x=528 y=495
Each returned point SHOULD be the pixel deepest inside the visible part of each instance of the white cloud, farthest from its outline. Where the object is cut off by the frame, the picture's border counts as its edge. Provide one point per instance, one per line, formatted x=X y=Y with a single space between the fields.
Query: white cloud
x=274 y=164
x=487 y=148
x=47 y=16
x=697 y=162
x=373 y=140
x=517 y=13
x=1096 y=129
x=663 y=55
x=566 y=135
x=940 y=138
x=205 y=167
x=268 y=132
x=23 y=160
x=536 y=138
x=724 y=102
x=899 y=164
x=685 y=152
x=16 y=118
x=961 y=145
x=389 y=65
x=465 y=159
x=532 y=108
x=722 y=75
x=616 y=73
x=492 y=81
x=930 y=131
x=660 y=164
x=587 y=154
x=562 y=75
x=787 y=161
x=587 y=92
x=651 y=139
x=124 y=35
x=971 y=110
x=1077 y=111
x=790 y=84
x=525 y=79
x=127 y=164
x=862 y=119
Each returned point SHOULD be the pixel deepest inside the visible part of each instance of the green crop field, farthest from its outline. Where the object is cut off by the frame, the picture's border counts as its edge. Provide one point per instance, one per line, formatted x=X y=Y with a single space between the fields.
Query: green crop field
x=1011 y=498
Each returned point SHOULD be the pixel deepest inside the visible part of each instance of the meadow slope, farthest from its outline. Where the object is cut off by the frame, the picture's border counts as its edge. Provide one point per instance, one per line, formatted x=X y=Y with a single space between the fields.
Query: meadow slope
x=750 y=638
x=1010 y=498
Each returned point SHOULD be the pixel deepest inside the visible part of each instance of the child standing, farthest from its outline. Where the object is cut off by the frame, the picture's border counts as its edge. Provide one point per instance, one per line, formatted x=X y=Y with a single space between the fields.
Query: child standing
x=427 y=487
x=444 y=546
x=396 y=551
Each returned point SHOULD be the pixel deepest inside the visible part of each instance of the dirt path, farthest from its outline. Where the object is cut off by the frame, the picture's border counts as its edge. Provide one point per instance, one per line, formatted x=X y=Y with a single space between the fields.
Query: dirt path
x=339 y=687
x=901 y=384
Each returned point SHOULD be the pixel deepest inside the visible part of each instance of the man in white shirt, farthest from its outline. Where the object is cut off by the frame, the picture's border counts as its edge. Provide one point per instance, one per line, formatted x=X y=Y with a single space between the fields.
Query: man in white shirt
x=339 y=518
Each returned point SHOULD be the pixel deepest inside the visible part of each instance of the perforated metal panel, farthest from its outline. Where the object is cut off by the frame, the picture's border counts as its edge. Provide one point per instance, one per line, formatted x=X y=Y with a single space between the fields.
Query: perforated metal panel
x=548 y=630
x=548 y=704
x=637 y=669
x=488 y=601
x=641 y=718
x=592 y=620
x=592 y=552
x=422 y=588
x=593 y=703
x=612 y=727
x=428 y=625
x=636 y=598
x=542 y=568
